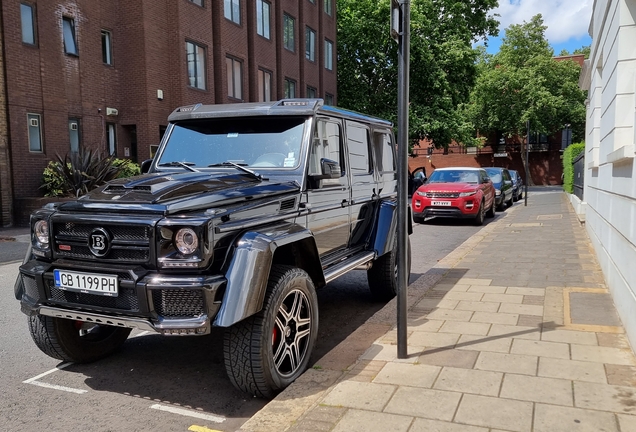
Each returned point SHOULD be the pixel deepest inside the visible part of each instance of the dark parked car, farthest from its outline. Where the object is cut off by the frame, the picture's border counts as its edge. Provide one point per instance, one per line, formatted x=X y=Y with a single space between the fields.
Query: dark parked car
x=517 y=185
x=244 y=211
x=502 y=181
x=455 y=192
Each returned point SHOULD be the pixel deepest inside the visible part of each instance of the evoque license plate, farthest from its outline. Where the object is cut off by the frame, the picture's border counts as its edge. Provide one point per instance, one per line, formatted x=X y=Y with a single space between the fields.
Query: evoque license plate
x=90 y=283
x=441 y=203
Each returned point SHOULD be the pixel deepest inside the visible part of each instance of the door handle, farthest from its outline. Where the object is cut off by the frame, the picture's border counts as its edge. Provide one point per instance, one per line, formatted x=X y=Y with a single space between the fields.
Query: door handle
x=344 y=203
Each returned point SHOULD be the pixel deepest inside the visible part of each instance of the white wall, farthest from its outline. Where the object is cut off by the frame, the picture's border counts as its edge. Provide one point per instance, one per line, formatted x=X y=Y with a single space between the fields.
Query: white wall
x=610 y=175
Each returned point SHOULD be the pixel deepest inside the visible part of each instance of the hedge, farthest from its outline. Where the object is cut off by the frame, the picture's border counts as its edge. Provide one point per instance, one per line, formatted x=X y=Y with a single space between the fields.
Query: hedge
x=569 y=155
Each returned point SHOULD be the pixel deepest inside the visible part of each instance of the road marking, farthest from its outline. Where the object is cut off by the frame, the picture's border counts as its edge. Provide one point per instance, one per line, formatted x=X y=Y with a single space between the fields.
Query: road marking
x=189 y=413
x=195 y=428
x=58 y=387
x=34 y=381
x=57 y=368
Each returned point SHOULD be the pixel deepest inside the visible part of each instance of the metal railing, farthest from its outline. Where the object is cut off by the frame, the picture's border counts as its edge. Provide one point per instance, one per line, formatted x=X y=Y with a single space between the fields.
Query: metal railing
x=578 y=165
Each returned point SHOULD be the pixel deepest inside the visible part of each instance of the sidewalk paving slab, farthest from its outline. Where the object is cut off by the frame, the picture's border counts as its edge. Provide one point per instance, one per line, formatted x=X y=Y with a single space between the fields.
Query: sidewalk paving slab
x=491 y=344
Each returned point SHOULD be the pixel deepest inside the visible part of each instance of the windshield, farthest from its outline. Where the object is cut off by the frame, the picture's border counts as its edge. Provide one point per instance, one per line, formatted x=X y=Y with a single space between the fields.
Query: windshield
x=272 y=142
x=495 y=175
x=454 y=176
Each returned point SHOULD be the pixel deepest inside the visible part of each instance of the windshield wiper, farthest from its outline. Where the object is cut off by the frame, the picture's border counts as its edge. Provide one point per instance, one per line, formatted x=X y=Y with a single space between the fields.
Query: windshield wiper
x=239 y=167
x=185 y=165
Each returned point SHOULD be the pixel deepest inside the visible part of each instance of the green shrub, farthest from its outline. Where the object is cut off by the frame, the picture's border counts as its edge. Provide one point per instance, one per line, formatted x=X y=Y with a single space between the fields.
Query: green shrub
x=569 y=155
x=127 y=168
x=77 y=173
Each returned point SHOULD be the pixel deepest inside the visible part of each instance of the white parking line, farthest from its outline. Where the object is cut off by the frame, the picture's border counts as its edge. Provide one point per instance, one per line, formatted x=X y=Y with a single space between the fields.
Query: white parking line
x=189 y=413
x=58 y=387
x=34 y=381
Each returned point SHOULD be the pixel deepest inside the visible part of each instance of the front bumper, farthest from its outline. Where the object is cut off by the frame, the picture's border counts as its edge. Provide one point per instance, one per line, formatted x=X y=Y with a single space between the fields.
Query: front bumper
x=167 y=304
x=448 y=212
x=461 y=208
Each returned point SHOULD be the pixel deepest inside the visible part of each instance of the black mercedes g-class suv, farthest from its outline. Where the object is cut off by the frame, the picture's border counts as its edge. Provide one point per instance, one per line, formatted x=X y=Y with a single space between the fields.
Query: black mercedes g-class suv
x=244 y=211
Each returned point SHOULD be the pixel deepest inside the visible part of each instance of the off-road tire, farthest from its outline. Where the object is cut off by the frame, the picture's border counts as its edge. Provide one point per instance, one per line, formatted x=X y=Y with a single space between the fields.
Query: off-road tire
x=248 y=346
x=382 y=276
x=491 y=211
x=61 y=339
x=481 y=214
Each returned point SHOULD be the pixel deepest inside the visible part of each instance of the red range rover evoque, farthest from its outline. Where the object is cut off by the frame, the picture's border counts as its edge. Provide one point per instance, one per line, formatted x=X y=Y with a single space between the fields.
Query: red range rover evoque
x=457 y=193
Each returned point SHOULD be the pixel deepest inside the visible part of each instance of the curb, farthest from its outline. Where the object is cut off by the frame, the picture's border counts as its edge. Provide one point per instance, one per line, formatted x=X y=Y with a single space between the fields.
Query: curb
x=284 y=411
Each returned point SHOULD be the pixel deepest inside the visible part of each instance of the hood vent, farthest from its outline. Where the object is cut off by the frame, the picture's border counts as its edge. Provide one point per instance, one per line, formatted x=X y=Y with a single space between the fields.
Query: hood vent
x=122 y=189
x=287 y=204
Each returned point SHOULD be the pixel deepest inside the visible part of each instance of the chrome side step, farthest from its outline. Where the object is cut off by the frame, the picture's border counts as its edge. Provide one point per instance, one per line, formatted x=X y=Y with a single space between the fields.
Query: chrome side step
x=352 y=263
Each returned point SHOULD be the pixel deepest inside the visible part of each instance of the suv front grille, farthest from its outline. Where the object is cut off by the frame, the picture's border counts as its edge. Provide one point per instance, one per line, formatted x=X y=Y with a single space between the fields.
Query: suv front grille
x=442 y=194
x=173 y=303
x=128 y=243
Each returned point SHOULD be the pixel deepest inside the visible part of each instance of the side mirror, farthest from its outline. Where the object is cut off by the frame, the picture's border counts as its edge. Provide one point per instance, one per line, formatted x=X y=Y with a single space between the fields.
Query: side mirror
x=487 y=179
x=329 y=169
x=145 y=166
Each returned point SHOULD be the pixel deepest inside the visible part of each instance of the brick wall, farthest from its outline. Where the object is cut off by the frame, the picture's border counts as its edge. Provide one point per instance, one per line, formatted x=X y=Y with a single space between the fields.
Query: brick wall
x=148 y=51
x=6 y=189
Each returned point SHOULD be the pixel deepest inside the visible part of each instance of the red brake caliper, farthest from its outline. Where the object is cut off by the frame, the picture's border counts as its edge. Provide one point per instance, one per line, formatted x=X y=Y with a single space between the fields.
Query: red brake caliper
x=274 y=336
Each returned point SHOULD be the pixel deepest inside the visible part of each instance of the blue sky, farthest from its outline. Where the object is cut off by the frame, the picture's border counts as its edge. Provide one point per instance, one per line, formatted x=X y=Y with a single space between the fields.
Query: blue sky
x=567 y=21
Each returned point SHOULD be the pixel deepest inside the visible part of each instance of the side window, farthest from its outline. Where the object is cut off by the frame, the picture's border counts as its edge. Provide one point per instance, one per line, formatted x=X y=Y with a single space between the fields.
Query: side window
x=384 y=155
x=359 y=148
x=483 y=176
x=327 y=143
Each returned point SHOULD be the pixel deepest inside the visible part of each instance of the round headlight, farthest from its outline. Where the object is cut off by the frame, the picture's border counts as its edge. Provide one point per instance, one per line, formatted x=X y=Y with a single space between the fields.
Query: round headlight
x=41 y=231
x=186 y=241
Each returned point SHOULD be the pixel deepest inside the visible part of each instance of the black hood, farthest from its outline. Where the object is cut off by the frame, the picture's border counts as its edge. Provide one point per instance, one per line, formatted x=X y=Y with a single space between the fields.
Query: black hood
x=173 y=192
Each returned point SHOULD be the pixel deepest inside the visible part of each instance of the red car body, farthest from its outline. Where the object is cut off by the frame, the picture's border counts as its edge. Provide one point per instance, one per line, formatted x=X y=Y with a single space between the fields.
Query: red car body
x=457 y=193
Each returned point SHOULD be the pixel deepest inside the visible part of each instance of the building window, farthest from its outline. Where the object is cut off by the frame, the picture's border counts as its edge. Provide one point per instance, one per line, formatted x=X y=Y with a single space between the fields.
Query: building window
x=310 y=44
x=262 y=18
x=74 y=134
x=264 y=86
x=107 y=47
x=311 y=92
x=234 y=78
x=111 y=139
x=328 y=55
x=195 y=57
x=197 y=2
x=328 y=7
x=232 y=10
x=27 y=14
x=288 y=32
x=70 y=43
x=290 y=88
x=328 y=99
x=35 y=132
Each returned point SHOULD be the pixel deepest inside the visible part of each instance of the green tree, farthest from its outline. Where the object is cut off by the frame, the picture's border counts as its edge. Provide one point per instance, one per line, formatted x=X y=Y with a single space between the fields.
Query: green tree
x=442 y=70
x=523 y=82
x=583 y=50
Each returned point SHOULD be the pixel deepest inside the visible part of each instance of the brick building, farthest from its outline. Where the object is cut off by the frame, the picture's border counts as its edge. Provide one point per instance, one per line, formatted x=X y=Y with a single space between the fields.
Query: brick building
x=106 y=74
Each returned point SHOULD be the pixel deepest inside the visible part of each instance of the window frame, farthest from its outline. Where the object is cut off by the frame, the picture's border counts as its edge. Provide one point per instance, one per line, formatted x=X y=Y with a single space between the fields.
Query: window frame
x=309 y=89
x=328 y=7
x=76 y=132
x=200 y=3
x=342 y=155
x=233 y=13
x=329 y=99
x=262 y=20
x=349 y=126
x=34 y=33
x=288 y=19
x=73 y=34
x=310 y=44
x=262 y=85
x=328 y=58
x=107 y=54
x=111 y=139
x=289 y=84
x=234 y=62
x=31 y=115
x=197 y=76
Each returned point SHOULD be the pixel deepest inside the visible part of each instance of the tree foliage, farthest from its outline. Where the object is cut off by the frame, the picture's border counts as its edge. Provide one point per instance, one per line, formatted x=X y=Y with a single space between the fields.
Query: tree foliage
x=524 y=83
x=442 y=62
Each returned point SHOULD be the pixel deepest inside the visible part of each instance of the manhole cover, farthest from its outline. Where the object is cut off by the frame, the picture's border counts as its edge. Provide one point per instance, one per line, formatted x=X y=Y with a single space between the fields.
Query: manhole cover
x=549 y=217
x=593 y=309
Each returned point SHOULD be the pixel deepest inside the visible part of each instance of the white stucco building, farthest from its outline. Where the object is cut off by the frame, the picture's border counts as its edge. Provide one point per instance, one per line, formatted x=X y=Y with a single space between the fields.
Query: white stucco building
x=610 y=169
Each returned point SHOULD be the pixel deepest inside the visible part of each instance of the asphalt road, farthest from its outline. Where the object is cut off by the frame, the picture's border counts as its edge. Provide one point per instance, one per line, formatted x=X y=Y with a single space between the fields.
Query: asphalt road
x=162 y=383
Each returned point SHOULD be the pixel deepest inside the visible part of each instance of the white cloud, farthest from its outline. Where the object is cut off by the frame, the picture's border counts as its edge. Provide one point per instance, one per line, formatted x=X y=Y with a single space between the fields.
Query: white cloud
x=565 y=19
